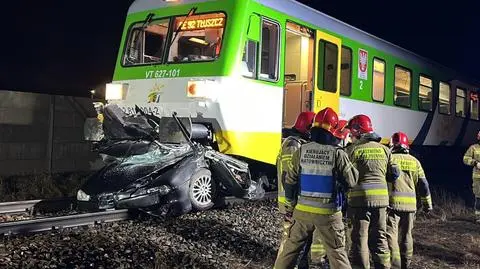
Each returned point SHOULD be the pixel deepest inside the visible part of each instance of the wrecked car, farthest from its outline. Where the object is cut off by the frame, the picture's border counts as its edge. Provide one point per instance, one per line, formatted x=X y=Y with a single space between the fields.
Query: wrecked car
x=160 y=165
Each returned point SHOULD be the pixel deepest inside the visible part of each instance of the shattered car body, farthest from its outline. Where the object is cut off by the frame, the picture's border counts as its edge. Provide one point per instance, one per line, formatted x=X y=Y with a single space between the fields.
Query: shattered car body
x=158 y=165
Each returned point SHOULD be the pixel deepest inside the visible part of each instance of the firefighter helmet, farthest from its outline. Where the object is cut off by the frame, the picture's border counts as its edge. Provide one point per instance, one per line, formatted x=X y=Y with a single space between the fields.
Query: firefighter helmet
x=304 y=121
x=399 y=139
x=326 y=119
x=341 y=132
x=360 y=124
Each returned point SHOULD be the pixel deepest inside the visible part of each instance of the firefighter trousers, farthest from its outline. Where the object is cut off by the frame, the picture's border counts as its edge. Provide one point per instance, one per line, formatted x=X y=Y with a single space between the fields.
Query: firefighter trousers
x=315 y=248
x=375 y=221
x=399 y=235
x=330 y=229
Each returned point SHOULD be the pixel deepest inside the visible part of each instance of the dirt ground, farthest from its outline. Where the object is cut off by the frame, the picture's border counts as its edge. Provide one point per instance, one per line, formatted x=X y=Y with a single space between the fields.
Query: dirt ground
x=451 y=243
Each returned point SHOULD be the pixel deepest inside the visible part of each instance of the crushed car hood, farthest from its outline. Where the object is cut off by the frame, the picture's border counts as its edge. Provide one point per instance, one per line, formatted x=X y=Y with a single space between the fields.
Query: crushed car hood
x=119 y=173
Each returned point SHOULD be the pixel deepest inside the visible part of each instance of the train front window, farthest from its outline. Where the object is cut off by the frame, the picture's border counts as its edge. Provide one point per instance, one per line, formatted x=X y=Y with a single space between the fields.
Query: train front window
x=146 y=46
x=199 y=38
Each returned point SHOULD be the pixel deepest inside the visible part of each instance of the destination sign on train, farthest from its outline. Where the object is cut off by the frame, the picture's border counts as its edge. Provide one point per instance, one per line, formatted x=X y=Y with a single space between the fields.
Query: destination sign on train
x=196 y=24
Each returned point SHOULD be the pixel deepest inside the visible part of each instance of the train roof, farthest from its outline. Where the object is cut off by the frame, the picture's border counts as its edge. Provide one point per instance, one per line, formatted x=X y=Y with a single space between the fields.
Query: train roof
x=322 y=20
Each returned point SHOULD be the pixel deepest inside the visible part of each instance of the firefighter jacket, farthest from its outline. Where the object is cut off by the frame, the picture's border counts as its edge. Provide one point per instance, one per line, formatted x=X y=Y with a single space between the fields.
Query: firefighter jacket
x=284 y=162
x=471 y=158
x=375 y=167
x=412 y=178
x=316 y=179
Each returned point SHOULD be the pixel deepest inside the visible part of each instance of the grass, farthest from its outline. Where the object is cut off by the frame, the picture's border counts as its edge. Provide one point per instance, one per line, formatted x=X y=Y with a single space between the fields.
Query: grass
x=40 y=186
x=447 y=237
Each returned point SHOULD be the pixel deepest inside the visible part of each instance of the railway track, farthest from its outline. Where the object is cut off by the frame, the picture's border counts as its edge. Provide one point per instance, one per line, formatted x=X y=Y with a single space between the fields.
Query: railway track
x=74 y=220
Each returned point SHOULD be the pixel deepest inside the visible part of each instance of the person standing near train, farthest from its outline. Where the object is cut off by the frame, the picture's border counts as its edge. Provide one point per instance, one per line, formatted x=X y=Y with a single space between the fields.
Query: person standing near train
x=403 y=202
x=368 y=200
x=296 y=136
x=472 y=158
x=319 y=169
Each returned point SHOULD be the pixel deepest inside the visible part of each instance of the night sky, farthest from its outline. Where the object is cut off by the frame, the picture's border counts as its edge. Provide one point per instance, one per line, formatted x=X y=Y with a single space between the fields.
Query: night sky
x=71 y=46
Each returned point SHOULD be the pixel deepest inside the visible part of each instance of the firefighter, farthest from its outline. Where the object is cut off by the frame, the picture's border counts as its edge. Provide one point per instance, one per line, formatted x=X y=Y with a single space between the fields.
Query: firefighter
x=403 y=202
x=298 y=134
x=368 y=200
x=342 y=133
x=319 y=171
x=472 y=158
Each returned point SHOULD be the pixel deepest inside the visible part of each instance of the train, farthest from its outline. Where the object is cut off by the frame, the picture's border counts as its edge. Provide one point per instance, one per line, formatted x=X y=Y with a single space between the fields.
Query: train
x=247 y=68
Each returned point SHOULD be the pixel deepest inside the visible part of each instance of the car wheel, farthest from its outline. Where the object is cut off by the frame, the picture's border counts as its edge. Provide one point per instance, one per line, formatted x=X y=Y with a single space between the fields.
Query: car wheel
x=202 y=190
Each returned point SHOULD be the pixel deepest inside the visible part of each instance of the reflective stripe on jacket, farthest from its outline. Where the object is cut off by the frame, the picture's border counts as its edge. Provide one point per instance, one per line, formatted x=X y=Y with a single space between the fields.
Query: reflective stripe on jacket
x=403 y=190
x=375 y=165
x=284 y=162
x=311 y=186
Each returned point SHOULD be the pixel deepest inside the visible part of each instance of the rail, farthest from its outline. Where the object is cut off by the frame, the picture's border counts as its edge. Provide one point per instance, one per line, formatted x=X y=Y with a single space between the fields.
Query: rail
x=75 y=220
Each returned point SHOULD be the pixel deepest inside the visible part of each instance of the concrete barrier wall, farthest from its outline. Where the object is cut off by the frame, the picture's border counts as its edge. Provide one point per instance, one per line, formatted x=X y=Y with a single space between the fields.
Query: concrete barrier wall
x=44 y=133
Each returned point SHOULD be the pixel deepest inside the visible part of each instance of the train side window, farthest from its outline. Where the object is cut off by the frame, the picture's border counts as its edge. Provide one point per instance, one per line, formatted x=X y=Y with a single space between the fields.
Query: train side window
x=270 y=42
x=378 y=88
x=403 y=85
x=460 y=102
x=346 y=72
x=425 y=93
x=249 y=59
x=327 y=56
x=474 y=105
x=444 y=98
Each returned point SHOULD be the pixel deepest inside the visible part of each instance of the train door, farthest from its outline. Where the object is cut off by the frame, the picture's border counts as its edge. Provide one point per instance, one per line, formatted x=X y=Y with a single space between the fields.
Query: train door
x=327 y=70
x=299 y=71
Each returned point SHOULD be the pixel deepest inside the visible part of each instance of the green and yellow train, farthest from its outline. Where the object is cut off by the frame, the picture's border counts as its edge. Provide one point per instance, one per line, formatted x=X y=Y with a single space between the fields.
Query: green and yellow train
x=246 y=68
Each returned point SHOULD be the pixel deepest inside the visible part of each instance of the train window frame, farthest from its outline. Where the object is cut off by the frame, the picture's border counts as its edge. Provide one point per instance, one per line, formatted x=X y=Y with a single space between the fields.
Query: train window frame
x=128 y=35
x=169 y=37
x=395 y=89
x=449 y=97
x=259 y=51
x=464 y=101
x=321 y=82
x=470 y=92
x=349 y=92
x=384 y=78
x=431 y=90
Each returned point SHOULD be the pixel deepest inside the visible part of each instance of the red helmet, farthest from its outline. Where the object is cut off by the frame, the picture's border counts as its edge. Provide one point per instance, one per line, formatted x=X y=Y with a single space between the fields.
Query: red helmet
x=360 y=124
x=304 y=121
x=400 y=139
x=341 y=131
x=327 y=119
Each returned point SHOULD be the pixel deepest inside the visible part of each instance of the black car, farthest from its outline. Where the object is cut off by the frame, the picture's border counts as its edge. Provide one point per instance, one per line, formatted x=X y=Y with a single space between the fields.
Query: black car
x=157 y=165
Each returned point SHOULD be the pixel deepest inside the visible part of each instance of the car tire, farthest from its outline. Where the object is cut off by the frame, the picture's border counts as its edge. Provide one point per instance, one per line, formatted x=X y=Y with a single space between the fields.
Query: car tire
x=202 y=190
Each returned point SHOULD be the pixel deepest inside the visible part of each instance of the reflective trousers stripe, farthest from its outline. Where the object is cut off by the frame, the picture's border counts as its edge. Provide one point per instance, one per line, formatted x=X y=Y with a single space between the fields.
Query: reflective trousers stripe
x=282 y=199
x=317 y=248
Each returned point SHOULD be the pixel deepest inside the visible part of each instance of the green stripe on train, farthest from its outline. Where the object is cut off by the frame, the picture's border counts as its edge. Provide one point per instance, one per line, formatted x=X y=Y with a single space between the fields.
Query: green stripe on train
x=238 y=12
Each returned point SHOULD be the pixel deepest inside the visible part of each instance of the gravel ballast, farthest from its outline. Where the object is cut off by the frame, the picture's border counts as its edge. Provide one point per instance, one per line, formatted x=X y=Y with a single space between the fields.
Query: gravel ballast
x=241 y=236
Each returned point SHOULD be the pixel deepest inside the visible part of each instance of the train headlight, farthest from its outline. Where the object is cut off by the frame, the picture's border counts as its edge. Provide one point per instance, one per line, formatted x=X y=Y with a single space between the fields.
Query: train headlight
x=82 y=196
x=204 y=89
x=116 y=91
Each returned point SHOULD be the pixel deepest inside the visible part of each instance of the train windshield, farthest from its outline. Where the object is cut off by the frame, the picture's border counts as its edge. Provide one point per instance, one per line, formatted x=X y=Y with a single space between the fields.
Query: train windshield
x=199 y=38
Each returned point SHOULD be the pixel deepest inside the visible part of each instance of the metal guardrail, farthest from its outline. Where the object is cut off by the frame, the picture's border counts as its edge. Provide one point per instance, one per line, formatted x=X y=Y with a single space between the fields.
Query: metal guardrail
x=17 y=207
x=74 y=220
x=45 y=224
